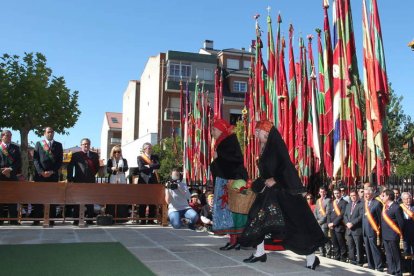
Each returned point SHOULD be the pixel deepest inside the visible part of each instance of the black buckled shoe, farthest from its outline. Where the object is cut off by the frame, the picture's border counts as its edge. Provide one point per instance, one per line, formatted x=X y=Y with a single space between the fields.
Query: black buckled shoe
x=316 y=262
x=225 y=247
x=229 y=246
x=253 y=259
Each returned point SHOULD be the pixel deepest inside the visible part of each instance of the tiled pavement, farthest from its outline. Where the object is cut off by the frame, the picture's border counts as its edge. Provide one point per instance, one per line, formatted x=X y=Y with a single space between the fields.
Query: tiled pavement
x=178 y=252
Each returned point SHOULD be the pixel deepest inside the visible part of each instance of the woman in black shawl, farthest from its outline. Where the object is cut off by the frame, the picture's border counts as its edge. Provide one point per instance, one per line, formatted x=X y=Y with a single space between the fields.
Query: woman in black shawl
x=280 y=208
x=228 y=172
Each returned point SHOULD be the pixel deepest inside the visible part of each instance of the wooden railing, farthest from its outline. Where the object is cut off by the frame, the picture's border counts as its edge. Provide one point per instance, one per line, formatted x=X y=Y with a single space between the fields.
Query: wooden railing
x=61 y=193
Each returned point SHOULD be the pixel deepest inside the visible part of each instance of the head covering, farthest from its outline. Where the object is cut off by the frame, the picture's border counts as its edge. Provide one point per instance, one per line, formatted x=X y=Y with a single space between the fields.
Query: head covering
x=210 y=196
x=225 y=128
x=264 y=125
x=194 y=194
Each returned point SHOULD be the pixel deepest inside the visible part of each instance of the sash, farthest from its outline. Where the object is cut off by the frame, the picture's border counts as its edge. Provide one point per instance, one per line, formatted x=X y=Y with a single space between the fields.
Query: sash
x=149 y=162
x=321 y=208
x=336 y=208
x=390 y=222
x=9 y=158
x=48 y=150
x=409 y=213
x=379 y=200
x=371 y=219
x=89 y=162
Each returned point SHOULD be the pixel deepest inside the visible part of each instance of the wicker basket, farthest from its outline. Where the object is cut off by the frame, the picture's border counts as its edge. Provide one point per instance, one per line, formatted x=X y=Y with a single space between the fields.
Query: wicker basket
x=240 y=202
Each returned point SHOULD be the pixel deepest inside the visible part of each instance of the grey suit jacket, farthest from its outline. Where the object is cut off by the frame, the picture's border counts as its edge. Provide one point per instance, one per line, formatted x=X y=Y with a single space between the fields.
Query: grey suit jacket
x=319 y=215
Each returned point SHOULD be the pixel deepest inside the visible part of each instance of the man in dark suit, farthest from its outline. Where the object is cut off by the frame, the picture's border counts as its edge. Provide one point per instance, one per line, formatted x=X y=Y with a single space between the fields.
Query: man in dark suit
x=10 y=166
x=47 y=159
x=392 y=224
x=397 y=195
x=408 y=231
x=371 y=223
x=336 y=225
x=148 y=164
x=353 y=221
x=82 y=168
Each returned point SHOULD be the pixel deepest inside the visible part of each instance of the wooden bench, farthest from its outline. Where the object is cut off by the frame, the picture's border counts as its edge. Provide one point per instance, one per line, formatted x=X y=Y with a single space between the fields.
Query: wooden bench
x=59 y=193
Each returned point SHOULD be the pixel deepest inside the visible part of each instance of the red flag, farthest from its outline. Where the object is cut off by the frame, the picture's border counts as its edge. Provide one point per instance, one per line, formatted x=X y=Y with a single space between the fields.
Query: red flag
x=292 y=100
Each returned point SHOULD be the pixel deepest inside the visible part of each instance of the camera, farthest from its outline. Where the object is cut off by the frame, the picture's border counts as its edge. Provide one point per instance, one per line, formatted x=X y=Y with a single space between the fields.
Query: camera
x=171 y=184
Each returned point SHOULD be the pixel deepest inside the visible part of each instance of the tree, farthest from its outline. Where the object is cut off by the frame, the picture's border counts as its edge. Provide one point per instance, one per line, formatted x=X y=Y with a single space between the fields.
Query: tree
x=31 y=99
x=170 y=156
x=239 y=130
x=400 y=131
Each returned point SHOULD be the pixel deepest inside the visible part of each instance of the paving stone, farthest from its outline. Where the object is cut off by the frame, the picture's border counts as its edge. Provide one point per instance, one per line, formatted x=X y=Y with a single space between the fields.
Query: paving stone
x=167 y=251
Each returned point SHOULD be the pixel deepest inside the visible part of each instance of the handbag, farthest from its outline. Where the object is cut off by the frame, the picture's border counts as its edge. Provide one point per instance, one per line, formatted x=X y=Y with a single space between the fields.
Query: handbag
x=268 y=219
x=104 y=220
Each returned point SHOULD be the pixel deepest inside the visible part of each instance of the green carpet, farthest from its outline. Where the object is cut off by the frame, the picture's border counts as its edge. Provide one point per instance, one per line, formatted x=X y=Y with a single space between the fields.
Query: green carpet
x=70 y=259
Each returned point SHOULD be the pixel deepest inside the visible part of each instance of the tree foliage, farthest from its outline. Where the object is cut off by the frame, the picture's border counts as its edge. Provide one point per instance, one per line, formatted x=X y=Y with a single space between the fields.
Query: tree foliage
x=32 y=98
x=400 y=132
x=171 y=156
x=239 y=130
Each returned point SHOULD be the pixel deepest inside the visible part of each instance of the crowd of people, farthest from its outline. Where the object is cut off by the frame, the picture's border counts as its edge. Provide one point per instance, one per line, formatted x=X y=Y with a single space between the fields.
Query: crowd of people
x=370 y=225
x=365 y=226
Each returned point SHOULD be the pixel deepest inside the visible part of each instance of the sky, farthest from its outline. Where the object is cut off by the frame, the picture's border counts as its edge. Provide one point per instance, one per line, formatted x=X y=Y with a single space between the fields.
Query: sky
x=98 y=46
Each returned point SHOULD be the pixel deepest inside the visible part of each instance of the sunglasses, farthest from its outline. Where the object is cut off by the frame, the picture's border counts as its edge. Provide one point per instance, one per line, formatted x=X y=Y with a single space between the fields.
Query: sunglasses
x=117 y=152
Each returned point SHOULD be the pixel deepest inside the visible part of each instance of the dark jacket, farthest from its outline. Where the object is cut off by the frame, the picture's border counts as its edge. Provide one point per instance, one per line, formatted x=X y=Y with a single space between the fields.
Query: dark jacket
x=147 y=175
x=337 y=220
x=355 y=218
x=13 y=161
x=408 y=229
x=229 y=162
x=375 y=209
x=47 y=160
x=82 y=169
x=395 y=213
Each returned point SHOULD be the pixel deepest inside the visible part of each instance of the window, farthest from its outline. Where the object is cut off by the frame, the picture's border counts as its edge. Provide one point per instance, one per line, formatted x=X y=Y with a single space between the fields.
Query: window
x=174 y=69
x=114 y=120
x=174 y=102
x=185 y=70
x=233 y=64
x=178 y=70
x=204 y=74
x=240 y=86
x=234 y=118
x=246 y=64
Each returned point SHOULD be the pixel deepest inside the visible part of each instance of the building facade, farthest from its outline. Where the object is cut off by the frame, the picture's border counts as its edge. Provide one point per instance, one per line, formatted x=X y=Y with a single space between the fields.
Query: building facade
x=111 y=133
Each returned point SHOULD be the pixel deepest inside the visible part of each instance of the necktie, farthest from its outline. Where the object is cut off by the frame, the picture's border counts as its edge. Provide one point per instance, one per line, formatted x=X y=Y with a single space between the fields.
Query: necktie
x=353 y=206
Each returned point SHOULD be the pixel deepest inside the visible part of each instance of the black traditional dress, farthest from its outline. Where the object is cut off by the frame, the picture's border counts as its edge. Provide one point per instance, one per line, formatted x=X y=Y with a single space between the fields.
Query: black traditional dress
x=281 y=210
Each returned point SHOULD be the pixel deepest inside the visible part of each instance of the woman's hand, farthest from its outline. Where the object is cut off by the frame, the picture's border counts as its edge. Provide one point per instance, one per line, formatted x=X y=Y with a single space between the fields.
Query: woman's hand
x=270 y=182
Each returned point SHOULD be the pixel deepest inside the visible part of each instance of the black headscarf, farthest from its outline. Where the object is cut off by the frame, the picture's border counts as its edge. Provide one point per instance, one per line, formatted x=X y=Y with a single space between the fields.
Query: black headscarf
x=275 y=162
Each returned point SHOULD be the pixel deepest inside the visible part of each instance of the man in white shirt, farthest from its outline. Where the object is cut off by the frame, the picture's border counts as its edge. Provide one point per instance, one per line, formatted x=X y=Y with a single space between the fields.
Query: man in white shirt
x=177 y=196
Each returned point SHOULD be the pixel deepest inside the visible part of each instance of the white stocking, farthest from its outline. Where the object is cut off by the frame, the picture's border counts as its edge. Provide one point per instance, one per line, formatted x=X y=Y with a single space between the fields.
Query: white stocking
x=310 y=259
x=260 y=251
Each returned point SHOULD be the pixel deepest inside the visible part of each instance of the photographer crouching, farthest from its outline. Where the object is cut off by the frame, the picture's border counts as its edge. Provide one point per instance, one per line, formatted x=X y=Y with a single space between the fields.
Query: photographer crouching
x=177 y=196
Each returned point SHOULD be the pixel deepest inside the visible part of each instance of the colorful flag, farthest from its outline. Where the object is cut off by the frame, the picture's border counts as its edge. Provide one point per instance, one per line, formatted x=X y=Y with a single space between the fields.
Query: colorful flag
x=292 y=100
x=327 y=88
